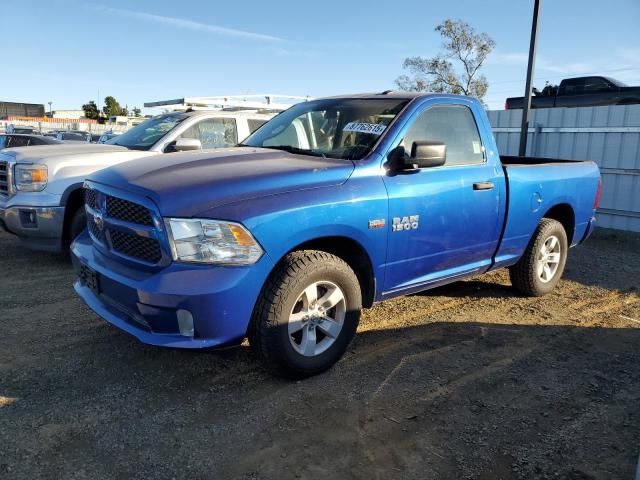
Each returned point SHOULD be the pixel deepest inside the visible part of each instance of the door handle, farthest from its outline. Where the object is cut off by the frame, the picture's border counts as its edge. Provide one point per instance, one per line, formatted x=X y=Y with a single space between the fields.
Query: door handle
x=483 y=186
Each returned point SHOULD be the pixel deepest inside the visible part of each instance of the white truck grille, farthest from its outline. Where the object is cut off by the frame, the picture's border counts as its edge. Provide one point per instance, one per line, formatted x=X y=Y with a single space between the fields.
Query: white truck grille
x=4 y=179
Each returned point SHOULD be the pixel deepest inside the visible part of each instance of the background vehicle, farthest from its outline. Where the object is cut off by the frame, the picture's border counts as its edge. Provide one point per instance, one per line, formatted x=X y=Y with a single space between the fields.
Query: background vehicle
x=24 y=129
x=73 y=136
x=105 y=137
x=23 y=140
x=580 y=92
x=332 y=205
x=41 y=197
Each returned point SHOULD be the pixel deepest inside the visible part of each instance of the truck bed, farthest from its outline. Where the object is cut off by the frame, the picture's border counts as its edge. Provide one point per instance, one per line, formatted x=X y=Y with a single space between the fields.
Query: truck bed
x=534 y=186
x=513 y=160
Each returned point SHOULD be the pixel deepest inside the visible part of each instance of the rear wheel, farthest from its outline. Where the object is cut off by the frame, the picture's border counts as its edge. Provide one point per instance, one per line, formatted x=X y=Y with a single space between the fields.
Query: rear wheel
x=307 y=314
x=541 y=266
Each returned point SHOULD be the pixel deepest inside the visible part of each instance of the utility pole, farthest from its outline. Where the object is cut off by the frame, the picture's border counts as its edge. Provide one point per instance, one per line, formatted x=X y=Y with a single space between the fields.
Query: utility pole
x=524 y=128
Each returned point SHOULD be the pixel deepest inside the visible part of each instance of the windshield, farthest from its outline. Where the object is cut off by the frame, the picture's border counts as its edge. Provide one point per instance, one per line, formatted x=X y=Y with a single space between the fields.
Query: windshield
x=145 y=135
x=338 y=128
x=617 y=83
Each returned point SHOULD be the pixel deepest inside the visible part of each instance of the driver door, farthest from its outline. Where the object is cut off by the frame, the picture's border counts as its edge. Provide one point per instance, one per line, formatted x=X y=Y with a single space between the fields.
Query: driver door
x=443 y=221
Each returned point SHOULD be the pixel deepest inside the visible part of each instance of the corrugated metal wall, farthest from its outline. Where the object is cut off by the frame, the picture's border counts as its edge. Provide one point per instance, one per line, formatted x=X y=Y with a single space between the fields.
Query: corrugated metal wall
x=608 y=135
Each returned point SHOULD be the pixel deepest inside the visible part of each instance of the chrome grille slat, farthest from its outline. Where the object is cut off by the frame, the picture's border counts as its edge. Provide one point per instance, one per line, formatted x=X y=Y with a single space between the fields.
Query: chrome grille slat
x=4 y=179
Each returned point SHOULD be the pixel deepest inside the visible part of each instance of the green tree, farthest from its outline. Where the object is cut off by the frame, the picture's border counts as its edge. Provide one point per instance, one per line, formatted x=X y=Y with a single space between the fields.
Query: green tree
x=462 y=45
x=112 y=107
x=91 y=110
x=136 y=112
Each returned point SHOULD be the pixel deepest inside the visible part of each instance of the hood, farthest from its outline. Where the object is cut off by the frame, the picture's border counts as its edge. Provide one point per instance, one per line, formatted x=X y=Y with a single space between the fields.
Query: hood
x=186 y=184
x=46 y=152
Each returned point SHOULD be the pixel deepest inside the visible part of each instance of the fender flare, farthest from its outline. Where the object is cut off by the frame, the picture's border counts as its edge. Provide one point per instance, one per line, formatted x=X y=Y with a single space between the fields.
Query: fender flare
x=68 y=191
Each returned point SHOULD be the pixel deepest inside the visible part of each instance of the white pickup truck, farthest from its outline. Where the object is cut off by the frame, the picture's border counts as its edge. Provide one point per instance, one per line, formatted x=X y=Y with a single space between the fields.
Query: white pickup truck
x=41 y=195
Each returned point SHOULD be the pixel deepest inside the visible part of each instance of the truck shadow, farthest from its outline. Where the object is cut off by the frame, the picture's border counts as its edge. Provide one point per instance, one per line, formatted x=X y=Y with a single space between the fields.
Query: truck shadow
x=563 y=397
x=517 y=388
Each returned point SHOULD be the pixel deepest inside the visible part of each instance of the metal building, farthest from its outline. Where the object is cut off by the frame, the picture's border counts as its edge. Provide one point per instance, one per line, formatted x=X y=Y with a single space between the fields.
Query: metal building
x=21 y=109
x=608 y=135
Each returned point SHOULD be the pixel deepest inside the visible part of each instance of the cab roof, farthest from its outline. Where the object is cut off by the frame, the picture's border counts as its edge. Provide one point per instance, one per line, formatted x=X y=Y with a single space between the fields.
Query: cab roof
x=396 y=94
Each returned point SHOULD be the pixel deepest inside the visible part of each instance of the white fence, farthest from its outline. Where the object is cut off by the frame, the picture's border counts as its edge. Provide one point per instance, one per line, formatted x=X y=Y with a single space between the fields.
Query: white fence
x=608 y=135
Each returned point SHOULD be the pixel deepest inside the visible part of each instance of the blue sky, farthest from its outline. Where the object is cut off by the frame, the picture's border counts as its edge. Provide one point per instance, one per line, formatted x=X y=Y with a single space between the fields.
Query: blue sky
x=69 y=51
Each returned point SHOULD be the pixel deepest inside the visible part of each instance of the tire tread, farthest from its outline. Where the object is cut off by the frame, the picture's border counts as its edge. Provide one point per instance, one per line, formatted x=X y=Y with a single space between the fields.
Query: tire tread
x=523 y=274
x=268 y=309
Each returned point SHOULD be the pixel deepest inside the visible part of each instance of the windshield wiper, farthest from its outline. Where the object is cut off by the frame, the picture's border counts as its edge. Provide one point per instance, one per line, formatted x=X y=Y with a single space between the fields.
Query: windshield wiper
x=301 y=151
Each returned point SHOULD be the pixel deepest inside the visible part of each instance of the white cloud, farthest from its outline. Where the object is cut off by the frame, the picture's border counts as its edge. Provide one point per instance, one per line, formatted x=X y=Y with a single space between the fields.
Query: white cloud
x=185 y=24
x=620 y=60
x=499 y=58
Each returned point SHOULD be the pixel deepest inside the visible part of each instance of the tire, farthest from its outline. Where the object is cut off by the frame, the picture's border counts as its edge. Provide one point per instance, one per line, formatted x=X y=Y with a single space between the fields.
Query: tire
x=77 y=225
x=285 y=315
x=537 y=272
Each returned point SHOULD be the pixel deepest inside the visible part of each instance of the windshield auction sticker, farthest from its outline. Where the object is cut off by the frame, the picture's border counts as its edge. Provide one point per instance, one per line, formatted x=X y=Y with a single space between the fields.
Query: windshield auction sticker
x=361 y=127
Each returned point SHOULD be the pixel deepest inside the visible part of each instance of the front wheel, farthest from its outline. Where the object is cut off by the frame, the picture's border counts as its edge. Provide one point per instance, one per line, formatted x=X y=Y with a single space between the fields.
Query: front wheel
x=307 y=314
x=541 y=266
x=77 y=224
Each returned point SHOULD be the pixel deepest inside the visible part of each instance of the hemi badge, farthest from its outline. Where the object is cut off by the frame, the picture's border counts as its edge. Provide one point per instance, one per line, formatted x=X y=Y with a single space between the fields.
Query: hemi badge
x=378 y=223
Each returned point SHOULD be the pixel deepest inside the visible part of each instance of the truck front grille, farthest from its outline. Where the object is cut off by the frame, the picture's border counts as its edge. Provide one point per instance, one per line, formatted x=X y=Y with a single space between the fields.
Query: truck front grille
x=128 y=211
x=142 y=248
x=102 y=212
x=4 y=179
x=94 y=230
x=91 y=198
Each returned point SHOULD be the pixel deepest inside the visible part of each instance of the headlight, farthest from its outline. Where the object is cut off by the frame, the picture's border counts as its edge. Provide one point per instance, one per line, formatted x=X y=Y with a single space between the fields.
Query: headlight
x=212 y=241
x=31 y=178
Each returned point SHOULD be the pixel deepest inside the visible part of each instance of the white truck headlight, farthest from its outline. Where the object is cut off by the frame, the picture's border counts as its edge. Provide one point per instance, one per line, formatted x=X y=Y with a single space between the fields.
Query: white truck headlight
x=211 y=241
x=31 y=178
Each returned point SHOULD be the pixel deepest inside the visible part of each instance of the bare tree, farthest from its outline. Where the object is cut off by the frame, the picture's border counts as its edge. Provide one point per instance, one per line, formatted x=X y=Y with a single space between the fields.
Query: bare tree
x=462 y=45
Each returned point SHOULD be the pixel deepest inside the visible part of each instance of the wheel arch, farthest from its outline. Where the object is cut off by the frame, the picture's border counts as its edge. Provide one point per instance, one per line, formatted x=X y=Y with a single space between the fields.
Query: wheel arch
x=72 y=199
x=353 y=253
x=563 y=213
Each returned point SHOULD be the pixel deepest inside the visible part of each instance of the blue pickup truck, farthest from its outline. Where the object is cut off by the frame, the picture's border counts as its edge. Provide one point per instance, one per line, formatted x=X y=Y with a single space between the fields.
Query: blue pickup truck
x=331 y=206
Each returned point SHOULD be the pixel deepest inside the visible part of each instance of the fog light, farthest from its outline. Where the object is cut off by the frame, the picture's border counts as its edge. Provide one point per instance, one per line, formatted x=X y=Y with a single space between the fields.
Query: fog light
x=185 y=323
x=28 y=218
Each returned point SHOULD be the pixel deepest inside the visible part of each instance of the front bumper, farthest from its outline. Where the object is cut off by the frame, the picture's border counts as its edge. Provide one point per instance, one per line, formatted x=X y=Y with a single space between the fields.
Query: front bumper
x=146 y=304
x=37 y=227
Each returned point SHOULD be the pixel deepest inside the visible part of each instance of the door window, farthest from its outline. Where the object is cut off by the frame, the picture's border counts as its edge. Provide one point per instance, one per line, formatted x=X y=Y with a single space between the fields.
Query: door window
x=19 y=141
x=452 y=125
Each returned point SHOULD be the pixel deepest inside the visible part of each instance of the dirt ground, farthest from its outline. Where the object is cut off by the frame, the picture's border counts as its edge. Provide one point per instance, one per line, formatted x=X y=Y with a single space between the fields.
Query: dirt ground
x=467 y=381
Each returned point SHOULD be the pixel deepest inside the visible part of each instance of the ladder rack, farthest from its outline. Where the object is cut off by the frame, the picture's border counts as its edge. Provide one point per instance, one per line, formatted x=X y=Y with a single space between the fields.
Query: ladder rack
x=231 y=102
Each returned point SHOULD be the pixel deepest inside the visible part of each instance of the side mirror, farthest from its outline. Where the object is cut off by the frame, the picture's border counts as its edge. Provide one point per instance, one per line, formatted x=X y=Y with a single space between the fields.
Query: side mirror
x=427 y=154
x=187 y=144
